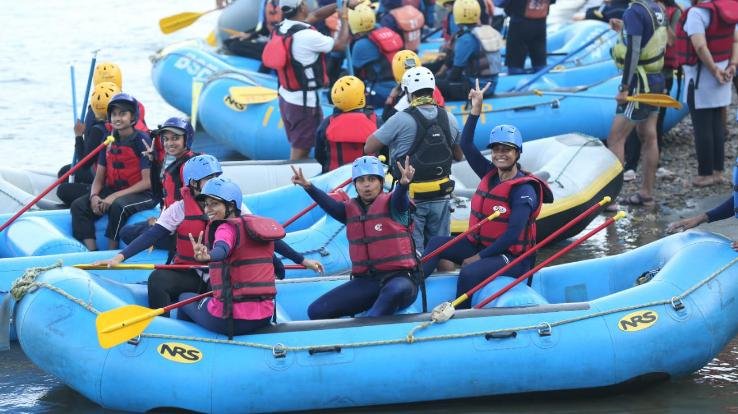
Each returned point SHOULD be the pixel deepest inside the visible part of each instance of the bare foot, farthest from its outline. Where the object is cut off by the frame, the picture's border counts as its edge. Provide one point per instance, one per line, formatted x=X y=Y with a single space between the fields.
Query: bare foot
x=703 y=181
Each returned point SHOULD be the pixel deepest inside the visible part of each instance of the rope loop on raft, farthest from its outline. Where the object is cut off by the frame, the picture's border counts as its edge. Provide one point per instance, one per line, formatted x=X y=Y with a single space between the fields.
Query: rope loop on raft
x=27 y=281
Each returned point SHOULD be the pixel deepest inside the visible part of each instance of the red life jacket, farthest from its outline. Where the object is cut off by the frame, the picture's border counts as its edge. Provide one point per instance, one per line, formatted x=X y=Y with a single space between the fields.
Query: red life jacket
x=377 y=243
x=195 y=221
x=387 y=41
x=292 y=75
x=719 y=34
x=536 y=9
x=346 y=134
x=487 y=200
x=122 y=167
x=247 y=274
x=172 y=180
x=410 y=20
x=670 y=55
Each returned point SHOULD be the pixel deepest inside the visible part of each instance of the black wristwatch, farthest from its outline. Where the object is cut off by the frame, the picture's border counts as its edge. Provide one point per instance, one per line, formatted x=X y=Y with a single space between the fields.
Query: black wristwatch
x=622 y=87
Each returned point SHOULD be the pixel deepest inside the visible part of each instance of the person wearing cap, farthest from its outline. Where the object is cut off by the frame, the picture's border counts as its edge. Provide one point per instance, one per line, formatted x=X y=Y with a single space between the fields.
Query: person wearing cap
x=341 y=136
x=504 y=187
x=298 y=103
x=122 y=183
x=384 y=266
x=430 y=136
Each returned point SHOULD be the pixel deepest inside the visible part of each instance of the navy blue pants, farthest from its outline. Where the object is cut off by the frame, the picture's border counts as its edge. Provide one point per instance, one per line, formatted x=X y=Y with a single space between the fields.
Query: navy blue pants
x=365 y=294
x=198 y=312
x=472 y=274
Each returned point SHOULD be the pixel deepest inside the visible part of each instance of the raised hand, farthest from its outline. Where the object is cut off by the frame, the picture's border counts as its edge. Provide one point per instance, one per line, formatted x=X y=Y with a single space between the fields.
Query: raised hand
x=476 y=96
x=199 y=249
x=407 y=172
x=298 y=178
x=149 y=152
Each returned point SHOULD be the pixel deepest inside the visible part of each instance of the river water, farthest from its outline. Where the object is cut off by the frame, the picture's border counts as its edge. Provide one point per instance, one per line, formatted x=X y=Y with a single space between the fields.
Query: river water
x=41 y=38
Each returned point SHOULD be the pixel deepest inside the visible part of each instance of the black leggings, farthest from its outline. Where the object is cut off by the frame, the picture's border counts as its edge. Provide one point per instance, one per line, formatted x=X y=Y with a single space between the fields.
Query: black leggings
x=709 y=136
x=165 y=286
x=526 y=37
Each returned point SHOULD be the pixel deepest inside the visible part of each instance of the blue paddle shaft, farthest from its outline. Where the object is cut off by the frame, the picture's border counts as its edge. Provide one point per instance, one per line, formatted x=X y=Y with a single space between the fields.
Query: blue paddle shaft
x=74 y=92
x=84 y=101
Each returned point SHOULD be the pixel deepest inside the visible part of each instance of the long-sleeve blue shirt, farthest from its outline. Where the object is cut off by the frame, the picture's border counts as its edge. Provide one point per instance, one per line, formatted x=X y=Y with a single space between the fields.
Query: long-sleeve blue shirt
x=523 y=198
x=399 y=204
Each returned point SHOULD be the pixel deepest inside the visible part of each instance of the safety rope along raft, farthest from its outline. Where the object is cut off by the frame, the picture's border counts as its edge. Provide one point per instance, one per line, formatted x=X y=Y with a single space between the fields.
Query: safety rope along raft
x=27 y=284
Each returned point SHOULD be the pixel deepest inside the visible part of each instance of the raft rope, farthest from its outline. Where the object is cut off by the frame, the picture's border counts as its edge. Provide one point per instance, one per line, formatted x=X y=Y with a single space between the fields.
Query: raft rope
x=27 y=284
x=588 y=142
x=322 y=249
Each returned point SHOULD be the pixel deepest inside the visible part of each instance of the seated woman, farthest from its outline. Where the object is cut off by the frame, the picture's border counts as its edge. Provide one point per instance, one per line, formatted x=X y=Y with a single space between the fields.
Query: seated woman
x=504 y=187
x=239 y=250
x=379 y=228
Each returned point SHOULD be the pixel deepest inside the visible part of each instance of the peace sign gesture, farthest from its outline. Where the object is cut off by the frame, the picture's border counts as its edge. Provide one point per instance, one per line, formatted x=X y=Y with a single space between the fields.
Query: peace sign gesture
x=408 y=171
x=475 y=96
x=149 y=152
x=298 y=178
x=200 y=250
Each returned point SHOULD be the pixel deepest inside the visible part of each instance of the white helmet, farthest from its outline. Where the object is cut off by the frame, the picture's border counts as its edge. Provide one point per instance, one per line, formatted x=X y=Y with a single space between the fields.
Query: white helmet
x=418 y=78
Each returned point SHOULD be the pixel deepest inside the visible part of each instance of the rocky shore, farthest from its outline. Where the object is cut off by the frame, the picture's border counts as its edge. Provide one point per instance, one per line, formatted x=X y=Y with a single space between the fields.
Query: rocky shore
x=675 y=195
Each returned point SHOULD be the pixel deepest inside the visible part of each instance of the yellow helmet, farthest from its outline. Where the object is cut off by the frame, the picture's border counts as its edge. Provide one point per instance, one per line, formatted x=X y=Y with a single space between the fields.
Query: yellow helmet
x=467 y=11
x=361 y=19
x=101 y=96
x=348 y=93
x=403 y=60
x=108 y=72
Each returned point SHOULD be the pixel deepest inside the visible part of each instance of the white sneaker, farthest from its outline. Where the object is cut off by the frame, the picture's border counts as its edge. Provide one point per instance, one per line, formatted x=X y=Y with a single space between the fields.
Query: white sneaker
x=664 y=173
x=629 y=175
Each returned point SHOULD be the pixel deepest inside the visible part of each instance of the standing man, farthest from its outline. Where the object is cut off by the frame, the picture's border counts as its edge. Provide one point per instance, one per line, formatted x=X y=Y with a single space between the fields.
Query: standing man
x=640 y=53
x=430 y=137
x=298 y=53
x=527 y=33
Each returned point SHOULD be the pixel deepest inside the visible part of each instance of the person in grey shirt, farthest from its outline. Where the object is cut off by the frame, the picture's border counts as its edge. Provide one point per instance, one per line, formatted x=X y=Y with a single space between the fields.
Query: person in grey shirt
x=430 y=136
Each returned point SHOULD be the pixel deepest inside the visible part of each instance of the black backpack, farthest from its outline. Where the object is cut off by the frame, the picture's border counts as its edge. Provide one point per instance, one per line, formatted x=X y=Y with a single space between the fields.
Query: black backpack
x=431 y=153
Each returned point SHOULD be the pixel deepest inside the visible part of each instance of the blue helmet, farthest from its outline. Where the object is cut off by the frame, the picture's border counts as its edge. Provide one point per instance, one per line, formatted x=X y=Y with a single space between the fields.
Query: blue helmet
x=179 y=126
x=222 y=189
x=507 y=135
x=367 y=165
x=125 y=102
x=199 y=167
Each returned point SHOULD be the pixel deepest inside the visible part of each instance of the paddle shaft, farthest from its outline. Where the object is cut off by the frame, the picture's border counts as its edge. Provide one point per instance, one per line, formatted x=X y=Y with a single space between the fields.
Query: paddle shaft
x=73 y=80
x=143 y=266
x=60 y=180
x=544 y=263
x=453 y=241
x=527 y=253
x=650 y=99
x=84 y=100
x=548 y=68
x=312 y=206
x=186 y=301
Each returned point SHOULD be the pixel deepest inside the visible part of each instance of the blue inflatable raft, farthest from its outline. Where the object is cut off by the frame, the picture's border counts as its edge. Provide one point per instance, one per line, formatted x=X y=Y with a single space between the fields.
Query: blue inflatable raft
x=588 y=325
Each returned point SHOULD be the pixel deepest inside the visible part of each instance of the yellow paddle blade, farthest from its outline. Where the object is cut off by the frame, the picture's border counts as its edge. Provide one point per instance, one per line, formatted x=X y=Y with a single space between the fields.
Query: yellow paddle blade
x=121 y=324
x=211 y=40
x=252 y=94
x=179 y=21
x=656 y=99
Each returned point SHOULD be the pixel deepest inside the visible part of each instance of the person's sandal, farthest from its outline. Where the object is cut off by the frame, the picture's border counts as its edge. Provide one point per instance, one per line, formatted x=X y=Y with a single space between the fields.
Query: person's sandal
x=636 y=199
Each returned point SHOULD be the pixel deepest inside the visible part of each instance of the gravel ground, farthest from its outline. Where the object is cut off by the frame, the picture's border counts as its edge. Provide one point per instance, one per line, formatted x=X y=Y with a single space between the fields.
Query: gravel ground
x=676 y=193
